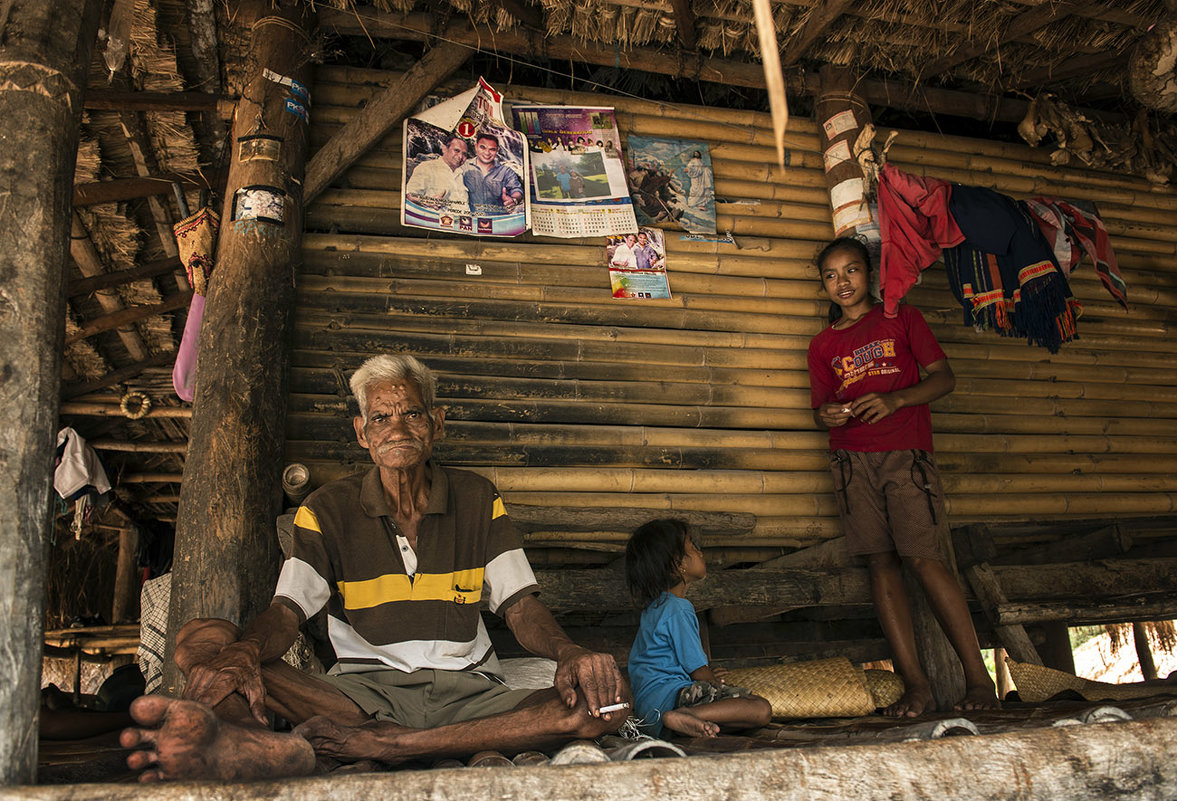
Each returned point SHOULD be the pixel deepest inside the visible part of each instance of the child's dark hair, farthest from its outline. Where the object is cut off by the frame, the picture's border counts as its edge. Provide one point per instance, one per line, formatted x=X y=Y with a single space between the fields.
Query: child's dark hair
x=652 y=558
x=841 y=243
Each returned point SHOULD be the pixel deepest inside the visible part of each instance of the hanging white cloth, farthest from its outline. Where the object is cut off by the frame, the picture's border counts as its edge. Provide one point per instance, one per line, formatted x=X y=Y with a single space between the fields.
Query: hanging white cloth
x=79 y=466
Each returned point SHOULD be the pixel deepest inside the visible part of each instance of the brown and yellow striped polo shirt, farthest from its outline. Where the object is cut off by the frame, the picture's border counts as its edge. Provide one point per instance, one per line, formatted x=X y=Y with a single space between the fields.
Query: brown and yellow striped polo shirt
x=345 y=557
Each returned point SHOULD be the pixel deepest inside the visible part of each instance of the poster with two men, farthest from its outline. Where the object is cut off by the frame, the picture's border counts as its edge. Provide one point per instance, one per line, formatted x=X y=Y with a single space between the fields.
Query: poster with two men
x=464 y=168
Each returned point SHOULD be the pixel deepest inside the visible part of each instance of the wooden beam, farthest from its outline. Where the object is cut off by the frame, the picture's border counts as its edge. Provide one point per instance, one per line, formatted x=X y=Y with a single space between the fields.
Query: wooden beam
x=1022 y=25
x=821 y=16
x=107 y=280
x=1013 y=637
x=1073 y=67
x=78 y=389
x=1103 y=543
x=129 y=315
x=152 y=478
x=420 y=27
x=82 y=409
x=595 y=590
x=146 y=165
x=120 y=189
x=86 y=257
x=45 y=51
x=137 y=447
x=1107 y=762
x=380 y=115
x=122 y=100
x=684 y=23
x=1091 y=612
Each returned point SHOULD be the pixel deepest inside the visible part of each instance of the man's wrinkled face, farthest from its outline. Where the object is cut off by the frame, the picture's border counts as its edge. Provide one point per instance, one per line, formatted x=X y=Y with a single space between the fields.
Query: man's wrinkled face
x=399 y=432
x=486 y=151
x=454 y=154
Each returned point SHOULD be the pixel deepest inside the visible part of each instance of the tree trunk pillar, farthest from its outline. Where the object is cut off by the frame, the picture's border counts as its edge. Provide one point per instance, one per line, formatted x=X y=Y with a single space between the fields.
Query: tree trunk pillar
x=226 y=543
x=44 y=54
x=841 y=115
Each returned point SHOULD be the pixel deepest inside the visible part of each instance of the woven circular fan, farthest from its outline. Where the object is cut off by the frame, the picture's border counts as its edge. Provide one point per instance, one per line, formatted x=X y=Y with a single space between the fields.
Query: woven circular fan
x=827 y=688
x=885 y=687
x=1037 y=683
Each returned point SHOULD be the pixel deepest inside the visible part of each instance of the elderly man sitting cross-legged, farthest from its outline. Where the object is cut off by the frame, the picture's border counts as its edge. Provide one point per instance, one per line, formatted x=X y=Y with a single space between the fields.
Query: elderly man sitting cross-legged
x=400 y=558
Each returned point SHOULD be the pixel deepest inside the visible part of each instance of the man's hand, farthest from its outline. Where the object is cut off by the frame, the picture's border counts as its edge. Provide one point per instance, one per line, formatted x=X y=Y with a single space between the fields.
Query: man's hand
x=236 y=669
x=595 y=675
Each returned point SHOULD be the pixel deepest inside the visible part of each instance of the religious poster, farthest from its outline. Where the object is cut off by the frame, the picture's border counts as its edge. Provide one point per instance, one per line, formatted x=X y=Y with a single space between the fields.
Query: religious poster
x=465 y=170
x=637 y=265
x=577 y=175
x=671 y=183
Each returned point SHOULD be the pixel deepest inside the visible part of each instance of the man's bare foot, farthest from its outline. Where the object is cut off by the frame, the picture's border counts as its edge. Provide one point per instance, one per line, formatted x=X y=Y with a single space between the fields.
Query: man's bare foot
x=684 y=722
x=913 y=703
x=185 y=740
x=981 y=696
x=370 y=740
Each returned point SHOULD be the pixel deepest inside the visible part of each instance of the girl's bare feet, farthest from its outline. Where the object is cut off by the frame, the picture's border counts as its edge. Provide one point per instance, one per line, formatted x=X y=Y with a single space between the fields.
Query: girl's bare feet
x=683 y=722
x=913 y=703
x=185 y=740
x=980 y=696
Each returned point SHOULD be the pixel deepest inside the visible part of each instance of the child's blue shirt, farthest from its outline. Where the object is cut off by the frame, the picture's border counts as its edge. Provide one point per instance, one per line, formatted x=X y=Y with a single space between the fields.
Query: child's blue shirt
x=665 y=652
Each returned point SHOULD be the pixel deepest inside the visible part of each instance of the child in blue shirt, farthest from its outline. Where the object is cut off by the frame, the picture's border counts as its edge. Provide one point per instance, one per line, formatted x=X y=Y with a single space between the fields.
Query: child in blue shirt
x=673 y=686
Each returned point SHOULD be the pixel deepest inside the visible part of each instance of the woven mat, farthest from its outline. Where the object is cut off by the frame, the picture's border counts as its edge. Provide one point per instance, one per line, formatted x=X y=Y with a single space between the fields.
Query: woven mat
x=827 y=688
x=885 y=687
x=1036 y=683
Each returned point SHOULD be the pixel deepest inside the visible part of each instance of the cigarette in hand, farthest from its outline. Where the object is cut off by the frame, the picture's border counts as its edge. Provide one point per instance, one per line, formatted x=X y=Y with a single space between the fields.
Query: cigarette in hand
x=613 y=707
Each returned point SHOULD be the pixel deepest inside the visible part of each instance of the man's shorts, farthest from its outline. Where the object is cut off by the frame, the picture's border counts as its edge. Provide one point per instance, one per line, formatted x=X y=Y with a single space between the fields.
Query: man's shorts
x=425 y=699
x=890 y=501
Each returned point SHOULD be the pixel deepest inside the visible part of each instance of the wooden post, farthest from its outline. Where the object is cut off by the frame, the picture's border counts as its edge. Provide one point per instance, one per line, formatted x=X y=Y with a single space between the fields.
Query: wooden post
x=1148 y=666
x=226 y=542
x=937 y=656
x=125 y=607
x=1056 y=648
x=841 y=116
x=44 y=54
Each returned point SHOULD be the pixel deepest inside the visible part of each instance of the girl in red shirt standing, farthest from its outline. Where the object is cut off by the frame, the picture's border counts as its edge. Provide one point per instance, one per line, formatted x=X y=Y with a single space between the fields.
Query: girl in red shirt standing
x=867 y=391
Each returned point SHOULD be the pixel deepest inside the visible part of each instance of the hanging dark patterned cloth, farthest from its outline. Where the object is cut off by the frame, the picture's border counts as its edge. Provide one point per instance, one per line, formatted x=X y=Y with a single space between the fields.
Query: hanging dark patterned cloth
x=1004 y=275
x=1072 y=228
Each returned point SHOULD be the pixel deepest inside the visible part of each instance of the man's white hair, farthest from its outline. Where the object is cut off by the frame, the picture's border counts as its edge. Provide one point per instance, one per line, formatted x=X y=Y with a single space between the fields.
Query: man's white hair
x=392 y=367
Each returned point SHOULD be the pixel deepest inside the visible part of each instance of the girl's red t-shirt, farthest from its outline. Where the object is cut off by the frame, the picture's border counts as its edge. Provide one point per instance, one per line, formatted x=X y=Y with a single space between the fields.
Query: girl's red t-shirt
x=875 y=354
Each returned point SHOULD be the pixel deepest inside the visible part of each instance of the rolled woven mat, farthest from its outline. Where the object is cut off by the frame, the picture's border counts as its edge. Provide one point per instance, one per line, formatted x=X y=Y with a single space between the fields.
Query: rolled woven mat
x=1037 y=683
x=826 y=688
x=885 y=687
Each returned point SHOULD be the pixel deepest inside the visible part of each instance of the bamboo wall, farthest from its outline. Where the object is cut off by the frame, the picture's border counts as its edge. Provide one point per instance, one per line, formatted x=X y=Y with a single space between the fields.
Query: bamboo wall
x=591 y=414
